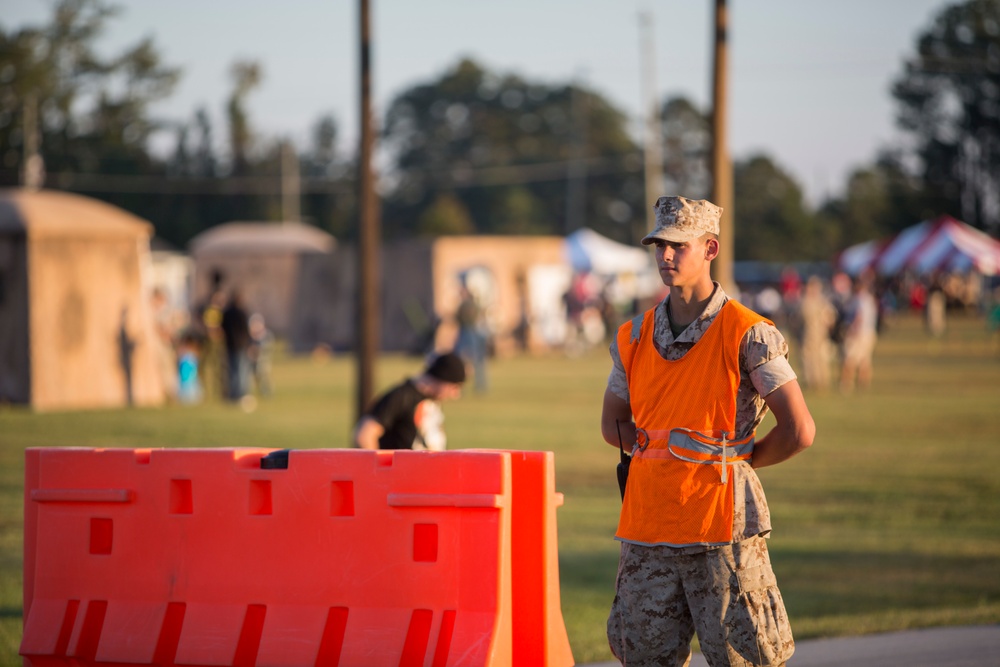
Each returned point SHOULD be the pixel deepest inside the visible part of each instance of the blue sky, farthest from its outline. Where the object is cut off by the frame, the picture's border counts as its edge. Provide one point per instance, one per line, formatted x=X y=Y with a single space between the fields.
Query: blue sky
x=809 y=80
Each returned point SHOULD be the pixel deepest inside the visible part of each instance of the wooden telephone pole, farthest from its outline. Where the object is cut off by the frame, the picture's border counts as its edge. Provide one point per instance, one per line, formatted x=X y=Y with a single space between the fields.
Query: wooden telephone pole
x=369 y=234
x=653 y=144
x=722 y=167
x=291 y=183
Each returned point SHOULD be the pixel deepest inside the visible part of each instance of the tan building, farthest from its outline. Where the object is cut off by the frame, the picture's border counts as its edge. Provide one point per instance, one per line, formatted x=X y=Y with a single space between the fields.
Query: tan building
x=75 y=326
x=305 y=285
x=519 y=280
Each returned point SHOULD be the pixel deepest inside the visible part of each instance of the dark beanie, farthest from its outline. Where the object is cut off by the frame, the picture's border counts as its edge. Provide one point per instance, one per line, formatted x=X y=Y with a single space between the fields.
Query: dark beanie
x=447 y=367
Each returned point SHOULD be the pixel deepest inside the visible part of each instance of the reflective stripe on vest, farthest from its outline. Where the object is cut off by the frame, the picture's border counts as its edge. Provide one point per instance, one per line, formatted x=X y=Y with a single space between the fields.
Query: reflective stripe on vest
x=678 y=492
x=695 y=447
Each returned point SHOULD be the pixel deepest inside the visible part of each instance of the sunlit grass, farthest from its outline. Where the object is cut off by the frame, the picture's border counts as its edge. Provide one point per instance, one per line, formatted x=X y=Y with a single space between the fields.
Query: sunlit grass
x=888 y=522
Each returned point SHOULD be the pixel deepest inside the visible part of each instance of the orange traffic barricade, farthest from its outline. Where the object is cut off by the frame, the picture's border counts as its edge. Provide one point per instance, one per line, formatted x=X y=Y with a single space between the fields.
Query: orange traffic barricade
x=311 y=557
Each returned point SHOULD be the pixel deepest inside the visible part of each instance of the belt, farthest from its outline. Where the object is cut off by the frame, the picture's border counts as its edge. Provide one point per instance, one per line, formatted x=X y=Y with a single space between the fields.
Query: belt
x=695 y=447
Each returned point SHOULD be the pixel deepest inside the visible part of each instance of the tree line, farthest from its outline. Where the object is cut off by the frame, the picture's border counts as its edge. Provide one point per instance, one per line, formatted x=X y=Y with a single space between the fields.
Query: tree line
x=476 y=151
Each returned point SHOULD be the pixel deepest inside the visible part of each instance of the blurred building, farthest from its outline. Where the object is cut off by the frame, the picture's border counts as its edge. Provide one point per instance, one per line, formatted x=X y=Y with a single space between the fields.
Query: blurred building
x=519 y=282
x=281 y=270
x=173 y=274
x=75 y=324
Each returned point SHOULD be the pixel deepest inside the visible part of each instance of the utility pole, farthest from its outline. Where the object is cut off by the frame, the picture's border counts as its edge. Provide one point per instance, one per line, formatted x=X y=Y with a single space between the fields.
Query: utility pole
x=722 y=167
x=291 y=185
x=653 y=148
x=32 y=166
x=576 y=168
x=368 y=304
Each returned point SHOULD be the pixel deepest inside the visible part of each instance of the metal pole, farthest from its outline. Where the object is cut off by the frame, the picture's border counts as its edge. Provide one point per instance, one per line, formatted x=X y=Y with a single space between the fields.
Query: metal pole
x=291 y=185
x=32 y=167
x=368 y=332
x=653 y=144
x=576 y=170
x=722 y=167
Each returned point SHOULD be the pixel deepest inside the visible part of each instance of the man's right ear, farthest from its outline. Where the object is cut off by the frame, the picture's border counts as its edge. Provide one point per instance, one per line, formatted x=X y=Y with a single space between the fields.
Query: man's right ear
x=711 y=248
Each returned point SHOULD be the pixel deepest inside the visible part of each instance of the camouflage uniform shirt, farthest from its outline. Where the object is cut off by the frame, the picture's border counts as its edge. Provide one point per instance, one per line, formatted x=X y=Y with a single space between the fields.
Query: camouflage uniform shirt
x=763 y=368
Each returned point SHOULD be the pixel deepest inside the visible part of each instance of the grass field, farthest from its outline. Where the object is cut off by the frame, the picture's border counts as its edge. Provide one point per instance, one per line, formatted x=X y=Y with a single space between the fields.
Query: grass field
x=889 y=522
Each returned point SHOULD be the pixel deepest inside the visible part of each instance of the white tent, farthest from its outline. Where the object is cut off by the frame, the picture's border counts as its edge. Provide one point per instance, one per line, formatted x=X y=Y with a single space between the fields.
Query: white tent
x=588 y=251
x=942 y=244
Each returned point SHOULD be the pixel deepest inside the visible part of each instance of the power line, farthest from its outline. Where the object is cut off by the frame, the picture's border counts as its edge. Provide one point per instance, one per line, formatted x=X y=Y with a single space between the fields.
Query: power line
x=270 y=185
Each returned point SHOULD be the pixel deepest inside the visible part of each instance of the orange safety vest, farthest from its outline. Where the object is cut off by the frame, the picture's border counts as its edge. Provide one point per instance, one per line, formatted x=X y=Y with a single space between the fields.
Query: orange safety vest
x=679 y=491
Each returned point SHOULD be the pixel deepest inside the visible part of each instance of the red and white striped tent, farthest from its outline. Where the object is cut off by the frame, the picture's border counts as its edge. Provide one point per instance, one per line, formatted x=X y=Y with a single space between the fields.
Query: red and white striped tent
x=942 y=244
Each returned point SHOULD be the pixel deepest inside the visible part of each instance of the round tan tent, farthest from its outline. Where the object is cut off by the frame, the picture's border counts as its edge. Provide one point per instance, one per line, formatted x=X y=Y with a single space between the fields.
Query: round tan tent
x=272 y=264
x=75 y=328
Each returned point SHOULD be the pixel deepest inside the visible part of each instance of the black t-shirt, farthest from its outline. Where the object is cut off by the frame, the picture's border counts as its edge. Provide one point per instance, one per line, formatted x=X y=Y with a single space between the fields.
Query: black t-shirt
x=395 y=411
x=236 y=328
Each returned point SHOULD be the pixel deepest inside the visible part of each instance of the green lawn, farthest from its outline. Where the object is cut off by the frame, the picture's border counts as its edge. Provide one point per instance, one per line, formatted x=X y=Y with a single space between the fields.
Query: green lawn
x=888 y=522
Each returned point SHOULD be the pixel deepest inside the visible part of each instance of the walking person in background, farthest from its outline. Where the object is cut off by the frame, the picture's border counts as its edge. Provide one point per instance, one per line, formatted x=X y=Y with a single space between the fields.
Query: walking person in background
x=166 y=352
x=212 y=362
x=189 y=389
x=935 y=310
x=126 y=349
x=860 y=336
x=697 y=373
x=236 y=332
x=409 y=416
x=818 y=316
x=471 y=343
x=259 y=354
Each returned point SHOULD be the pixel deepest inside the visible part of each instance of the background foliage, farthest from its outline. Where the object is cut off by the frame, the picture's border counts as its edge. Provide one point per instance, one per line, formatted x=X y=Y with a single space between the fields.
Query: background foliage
x=471 y=150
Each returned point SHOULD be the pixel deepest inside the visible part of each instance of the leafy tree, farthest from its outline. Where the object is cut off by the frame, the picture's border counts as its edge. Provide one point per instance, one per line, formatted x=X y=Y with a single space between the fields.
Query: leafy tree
x=93 y=112
x=772 y=223
x=246 y=75
x=687 y=145
x=523 y=213
x=328 y=182
x=949 y=101
x=321 y=159
x=194 y=156
x=506 y=148
x=909 y=200
x=880 y=200
x=863 y=212
x=205 y=161
x=446 y=215
x=119 y=126
x=95 y=127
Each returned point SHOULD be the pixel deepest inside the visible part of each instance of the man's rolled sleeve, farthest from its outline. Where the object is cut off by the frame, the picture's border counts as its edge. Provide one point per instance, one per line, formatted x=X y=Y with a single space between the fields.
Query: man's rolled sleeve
x=766 y=355
x=617 y=380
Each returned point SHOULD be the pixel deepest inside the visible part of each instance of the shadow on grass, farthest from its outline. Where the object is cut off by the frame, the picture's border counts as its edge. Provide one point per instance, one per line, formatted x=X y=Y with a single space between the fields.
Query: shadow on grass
x=825 y=583
x=588 y=570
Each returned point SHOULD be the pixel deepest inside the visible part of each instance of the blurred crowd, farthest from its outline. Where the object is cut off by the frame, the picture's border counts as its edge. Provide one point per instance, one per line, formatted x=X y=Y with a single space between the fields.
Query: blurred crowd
x=836 y=322
x=219 y=351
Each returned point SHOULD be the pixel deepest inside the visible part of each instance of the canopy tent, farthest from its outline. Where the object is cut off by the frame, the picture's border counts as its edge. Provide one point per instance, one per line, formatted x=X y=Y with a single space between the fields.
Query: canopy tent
x=587 y=250
x=277 y=268
x=76 y=328
x=633 y=267
x=942 y=244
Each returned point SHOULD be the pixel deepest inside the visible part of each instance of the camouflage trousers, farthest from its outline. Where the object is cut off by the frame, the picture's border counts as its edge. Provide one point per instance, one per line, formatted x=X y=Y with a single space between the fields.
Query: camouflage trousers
x=728 y=595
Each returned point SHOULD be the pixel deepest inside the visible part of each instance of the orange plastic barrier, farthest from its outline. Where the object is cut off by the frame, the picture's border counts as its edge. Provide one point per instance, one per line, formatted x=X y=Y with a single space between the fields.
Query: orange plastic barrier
x=347 y=557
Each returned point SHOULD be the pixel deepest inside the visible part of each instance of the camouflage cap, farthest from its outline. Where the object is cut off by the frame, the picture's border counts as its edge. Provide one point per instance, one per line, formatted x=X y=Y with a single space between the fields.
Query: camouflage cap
x=679 y=219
